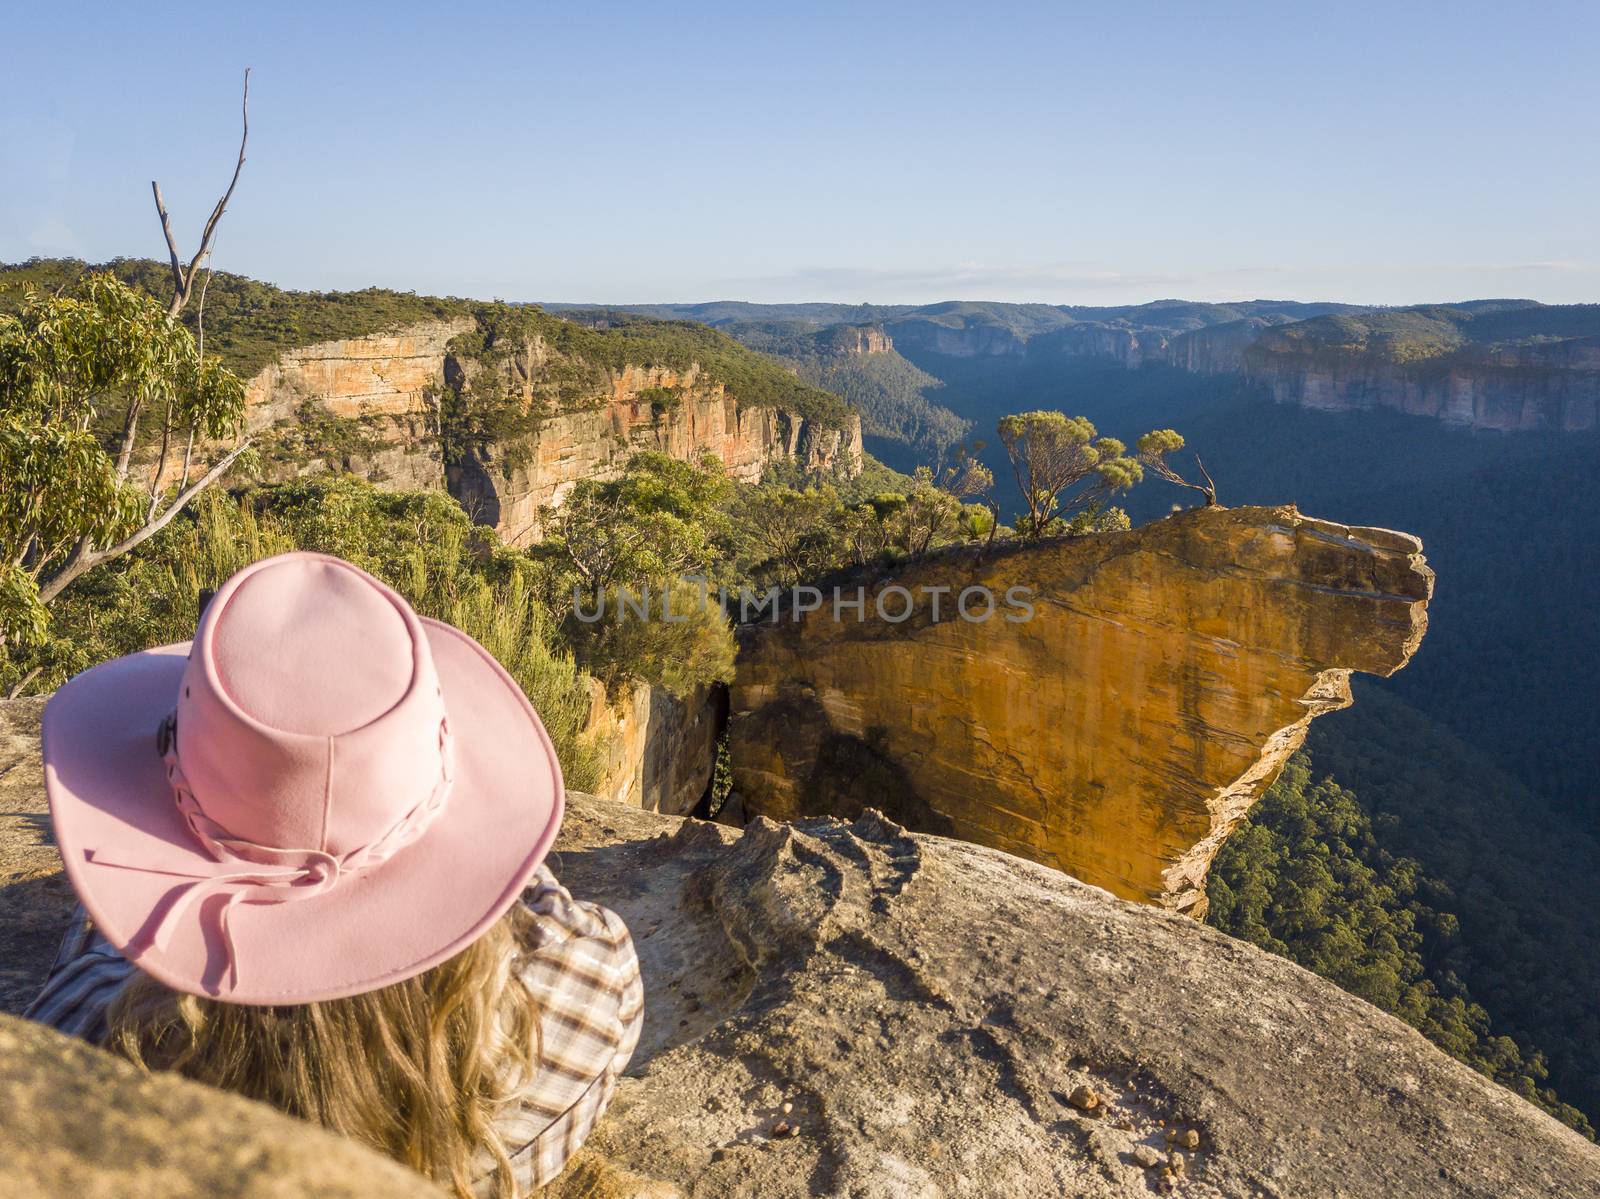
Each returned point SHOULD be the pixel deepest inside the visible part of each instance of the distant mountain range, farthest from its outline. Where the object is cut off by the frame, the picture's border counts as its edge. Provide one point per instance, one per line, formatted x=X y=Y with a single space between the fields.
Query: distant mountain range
x=1501 y=364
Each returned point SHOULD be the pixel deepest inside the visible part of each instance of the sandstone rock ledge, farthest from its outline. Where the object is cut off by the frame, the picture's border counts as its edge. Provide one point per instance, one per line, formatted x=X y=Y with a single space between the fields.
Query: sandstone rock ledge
x=80 y=1124
x=927 y=1008
x=1122 y=731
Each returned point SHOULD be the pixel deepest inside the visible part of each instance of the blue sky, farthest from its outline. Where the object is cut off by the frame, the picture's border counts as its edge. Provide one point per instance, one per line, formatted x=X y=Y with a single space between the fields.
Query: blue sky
x=1066 y=153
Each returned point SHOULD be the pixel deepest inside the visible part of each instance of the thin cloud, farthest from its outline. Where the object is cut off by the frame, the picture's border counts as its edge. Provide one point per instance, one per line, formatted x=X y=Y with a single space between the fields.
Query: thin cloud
x=970 y=276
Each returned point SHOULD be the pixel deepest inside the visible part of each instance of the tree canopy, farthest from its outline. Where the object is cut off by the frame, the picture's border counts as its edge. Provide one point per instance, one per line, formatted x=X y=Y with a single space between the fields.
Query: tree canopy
x=79 y=371
x=1051 y=454
x=1307 y=878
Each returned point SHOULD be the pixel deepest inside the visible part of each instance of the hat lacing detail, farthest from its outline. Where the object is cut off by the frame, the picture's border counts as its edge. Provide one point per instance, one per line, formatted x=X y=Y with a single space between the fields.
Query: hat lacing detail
x=290 y=874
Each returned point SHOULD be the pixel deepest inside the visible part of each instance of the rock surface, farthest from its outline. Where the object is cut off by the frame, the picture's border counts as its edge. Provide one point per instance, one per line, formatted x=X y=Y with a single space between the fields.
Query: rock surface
x=917 y=1013
x=368 y=405
x=659 y=750
x=1216 y=349
x=81 y=1124
x=1122 y=731
x=1553 y=385
x=921 y=1010
x=359 y=404
x=595 y=440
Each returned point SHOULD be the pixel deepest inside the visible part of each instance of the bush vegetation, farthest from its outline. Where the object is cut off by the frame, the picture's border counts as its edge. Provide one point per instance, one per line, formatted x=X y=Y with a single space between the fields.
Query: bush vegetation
x=1307 y=878
x=897 y=400
x=81 y=371
x=420 y=543
x=249 y=323
x=640 y=536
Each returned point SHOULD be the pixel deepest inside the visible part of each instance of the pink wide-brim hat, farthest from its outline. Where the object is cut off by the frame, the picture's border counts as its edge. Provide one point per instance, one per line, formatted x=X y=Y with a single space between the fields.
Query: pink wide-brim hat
x=320 y=795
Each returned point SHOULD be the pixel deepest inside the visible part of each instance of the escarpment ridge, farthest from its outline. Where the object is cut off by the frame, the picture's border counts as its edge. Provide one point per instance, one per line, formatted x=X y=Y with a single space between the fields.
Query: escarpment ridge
x=1510 y=369
x=1119 y=731
x=1506 y=365
x=506 y=406
x=375 y=405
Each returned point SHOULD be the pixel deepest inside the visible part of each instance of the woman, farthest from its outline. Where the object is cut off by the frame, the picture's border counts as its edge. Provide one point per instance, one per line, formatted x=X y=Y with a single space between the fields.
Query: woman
x=299 y=843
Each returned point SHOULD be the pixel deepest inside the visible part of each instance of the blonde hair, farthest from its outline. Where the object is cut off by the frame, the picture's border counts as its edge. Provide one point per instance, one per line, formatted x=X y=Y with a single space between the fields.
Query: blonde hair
x=417 y=1070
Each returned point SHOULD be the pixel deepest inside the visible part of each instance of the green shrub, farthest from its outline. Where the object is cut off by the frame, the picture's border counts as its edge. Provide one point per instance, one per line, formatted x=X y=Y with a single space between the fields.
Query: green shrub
x=679 y=648
x=662 y=400
x=420 y=543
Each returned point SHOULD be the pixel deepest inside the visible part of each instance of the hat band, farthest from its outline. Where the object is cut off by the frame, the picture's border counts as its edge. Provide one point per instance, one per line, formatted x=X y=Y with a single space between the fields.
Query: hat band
x=278 y=874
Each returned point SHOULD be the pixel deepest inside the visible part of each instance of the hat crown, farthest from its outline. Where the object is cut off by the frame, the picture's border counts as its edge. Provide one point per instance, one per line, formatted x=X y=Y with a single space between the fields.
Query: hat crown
x=310 y=713
x=306 y=646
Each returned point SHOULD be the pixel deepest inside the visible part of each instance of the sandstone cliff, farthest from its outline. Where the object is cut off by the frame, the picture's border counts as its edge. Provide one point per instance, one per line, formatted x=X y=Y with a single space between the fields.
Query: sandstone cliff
x=1120 y=733
x=955 y=339
x=360 y=404
x=1119 y=343
x=926 y=1009
x=1542 y=386
x=659 y=751
x=370 y=405
x=1506 y=365
x=853 y=340
x=1217 y=349
x=594 y=439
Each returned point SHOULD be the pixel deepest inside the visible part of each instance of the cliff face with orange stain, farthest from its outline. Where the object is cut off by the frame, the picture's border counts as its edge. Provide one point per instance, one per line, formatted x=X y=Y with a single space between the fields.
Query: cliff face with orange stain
x=1122 y=731
x=361 y=404
x=658 y=752
x=1553 y=386
x=369 y=406
x=594 y=440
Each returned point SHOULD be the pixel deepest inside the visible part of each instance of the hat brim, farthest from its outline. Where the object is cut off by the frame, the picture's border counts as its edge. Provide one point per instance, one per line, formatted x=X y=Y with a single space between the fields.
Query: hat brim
x=109 y=796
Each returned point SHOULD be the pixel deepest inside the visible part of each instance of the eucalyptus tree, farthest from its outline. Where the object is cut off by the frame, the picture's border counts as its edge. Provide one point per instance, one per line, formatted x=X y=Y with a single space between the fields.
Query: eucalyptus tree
x=1060 y=464
x=1152 y=450
x=82 y=372
x=79 y=372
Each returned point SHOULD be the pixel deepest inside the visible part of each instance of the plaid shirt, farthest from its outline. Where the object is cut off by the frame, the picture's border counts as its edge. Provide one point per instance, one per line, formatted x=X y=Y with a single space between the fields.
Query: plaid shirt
x=578 y=962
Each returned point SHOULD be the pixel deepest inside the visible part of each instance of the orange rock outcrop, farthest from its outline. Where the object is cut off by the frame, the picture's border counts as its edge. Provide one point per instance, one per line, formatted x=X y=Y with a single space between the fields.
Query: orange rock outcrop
x=1121 y=731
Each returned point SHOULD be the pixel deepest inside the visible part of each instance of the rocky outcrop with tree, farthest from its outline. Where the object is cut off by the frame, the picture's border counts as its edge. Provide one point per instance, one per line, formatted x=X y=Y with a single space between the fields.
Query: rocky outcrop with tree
x=1118 y=729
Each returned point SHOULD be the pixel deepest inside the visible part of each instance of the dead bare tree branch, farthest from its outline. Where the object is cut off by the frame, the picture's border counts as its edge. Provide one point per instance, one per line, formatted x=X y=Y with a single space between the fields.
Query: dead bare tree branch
x=183 y=277
x=161 y=466
x=84 y=556
x=1210 y=489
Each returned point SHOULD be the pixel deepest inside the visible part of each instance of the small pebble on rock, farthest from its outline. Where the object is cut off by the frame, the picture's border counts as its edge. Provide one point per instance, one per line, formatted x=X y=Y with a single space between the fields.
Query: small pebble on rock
x=1084 y=1099
x=1177 y=1162
x=781 y=1128
x=1146 y=1156
x=1191 y=1139
x=787 y=1108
